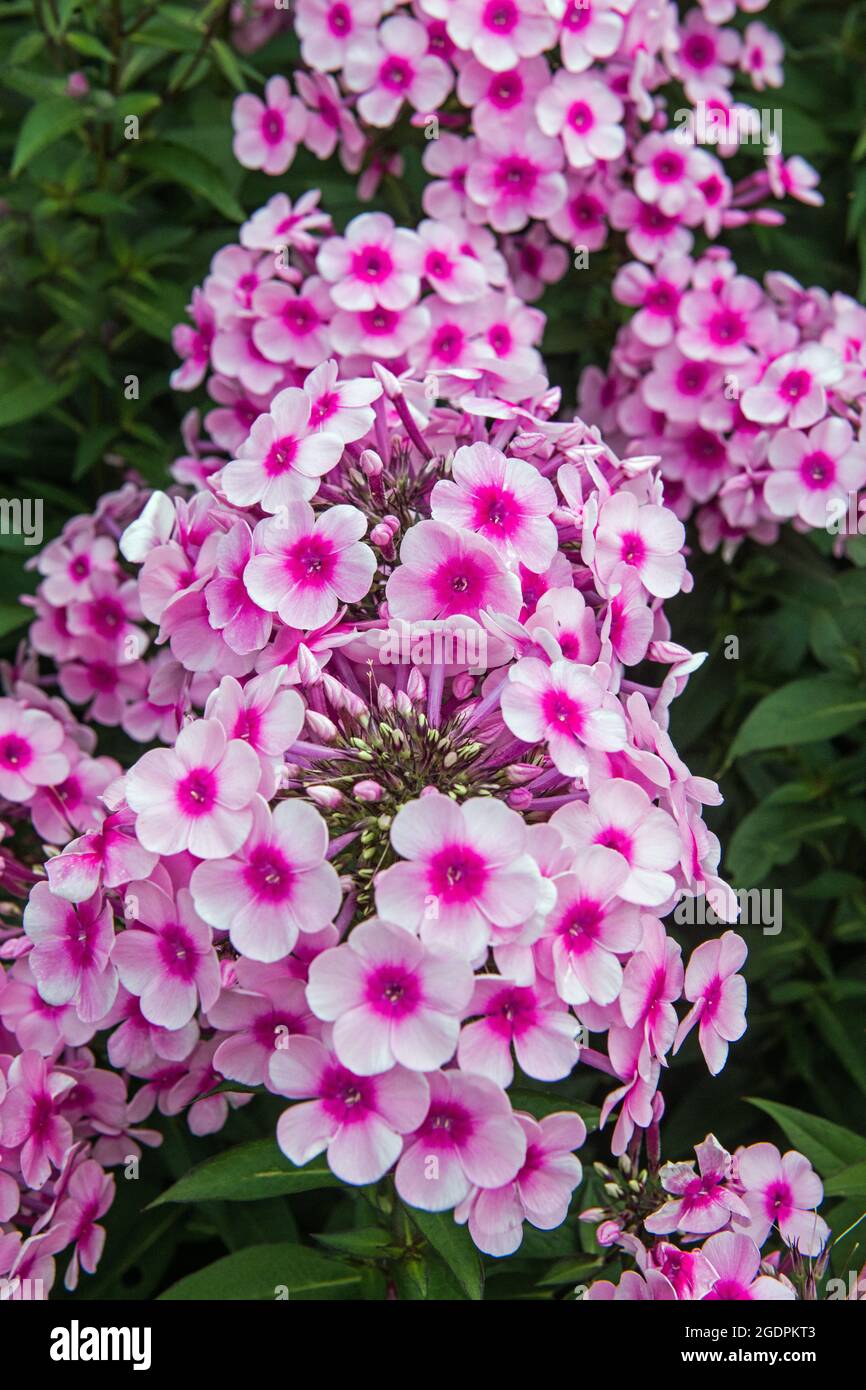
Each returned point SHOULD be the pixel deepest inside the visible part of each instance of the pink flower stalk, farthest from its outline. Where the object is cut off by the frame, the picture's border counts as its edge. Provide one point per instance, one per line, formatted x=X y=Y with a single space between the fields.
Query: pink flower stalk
x=470 y=1137
x=276 y=885
x=391 y=1001
x=359 y=1120
x=197 y=795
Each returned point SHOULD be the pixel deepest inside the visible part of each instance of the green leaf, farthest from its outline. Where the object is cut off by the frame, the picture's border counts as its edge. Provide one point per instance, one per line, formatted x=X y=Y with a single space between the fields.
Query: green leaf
x=89 y=45
x=245 y=1173
x=367 y=1240
x=192 y=171
x=829 y=1147
x=13 y=616
x=228 y=64
x=802 y=712
x=454 y=1244
x=45 y=123
x=264 y=1272
x=29 y=398
x=850 y=1182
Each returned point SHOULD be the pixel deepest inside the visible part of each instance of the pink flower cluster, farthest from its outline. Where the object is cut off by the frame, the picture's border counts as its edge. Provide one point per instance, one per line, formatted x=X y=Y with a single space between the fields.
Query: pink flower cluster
x=547 y=121
x=63 y=1119
x=414 y=824
x=751 y=395
x=730 y=1203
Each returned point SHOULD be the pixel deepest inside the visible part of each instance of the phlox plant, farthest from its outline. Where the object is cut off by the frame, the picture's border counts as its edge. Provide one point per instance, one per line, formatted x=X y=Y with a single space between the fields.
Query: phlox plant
x=390 y=850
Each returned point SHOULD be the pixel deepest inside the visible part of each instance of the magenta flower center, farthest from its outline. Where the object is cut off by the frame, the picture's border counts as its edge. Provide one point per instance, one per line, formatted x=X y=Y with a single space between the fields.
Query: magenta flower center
x=581 y=923
x=580 y=117
x=392 y=991
x=727 y=327
x=273 y=126
x=324 y=407
x=668 y=167
x=494 y=507
x=614 y=838
x=379 y=322
x=396 y=74
x=347 y=1098
x=506 y=90
x=340 y=20
x=197 y=792
x=178 y=952
x=501 y=16
x=458 y=584
x=15 y=752
x=300 y=317
x=515 y=175
x=269 y=875
x=562 y=713
x=795 y=386
x=456 y=874
x=632 y=548
x=448 y=1125
x=818 y=470
x=281 y=456
x=699 y=51
x=577 y=15
x=448 y=342
x=311 y=560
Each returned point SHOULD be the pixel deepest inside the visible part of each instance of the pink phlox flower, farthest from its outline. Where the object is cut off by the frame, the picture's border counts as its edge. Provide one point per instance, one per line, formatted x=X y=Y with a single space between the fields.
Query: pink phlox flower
x=718 y=997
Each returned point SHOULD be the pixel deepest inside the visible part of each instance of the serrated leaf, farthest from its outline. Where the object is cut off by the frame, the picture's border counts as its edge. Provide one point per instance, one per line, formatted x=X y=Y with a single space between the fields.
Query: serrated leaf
x=45 y=123
x=263 y=1272
x=245 y=1173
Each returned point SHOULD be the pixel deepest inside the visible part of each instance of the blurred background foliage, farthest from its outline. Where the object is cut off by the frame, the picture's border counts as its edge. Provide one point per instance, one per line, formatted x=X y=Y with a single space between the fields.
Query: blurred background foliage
x=102 y=238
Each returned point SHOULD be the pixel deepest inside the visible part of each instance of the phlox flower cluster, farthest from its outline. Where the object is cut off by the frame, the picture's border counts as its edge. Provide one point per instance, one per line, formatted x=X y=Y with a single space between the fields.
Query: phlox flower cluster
x=752 y=395
x=65 y=1120
x=706 y=1239
x=548 y=122
x=403 y=841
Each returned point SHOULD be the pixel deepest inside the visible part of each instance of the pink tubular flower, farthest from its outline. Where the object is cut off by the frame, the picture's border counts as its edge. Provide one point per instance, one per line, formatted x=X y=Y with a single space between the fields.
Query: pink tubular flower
x=815 y=473
x=197 y=795
x=340 y=408
x=277 y=885
x=291 y=325
x=589 y=29
x=782 y=1190
x=359 y=1120
x=373 y=265
x=701 y=1202
x=88 y=1196
x=620 y=816
x=71 y=947
x=267 y=133
x=30 y=1118
x=516 y=176
x=107 y=857
x=31 y=751
x=792 y=390
x=541 y=1191
x=469 y=1137
x=588 y=928
x=587 y=117
x=390 y=1000
x=562 y=705
x=499 y=32
x=393 y=66
x=245 y=627
x=193 y=344
x=306 y=565
x=466 y=871
x=504 y=500
x=647 y=538
x=444 y=571
x=329 y=29
x=652 y=981
x=718 y=997
x=263 y=1012
x=530 y=1018
x=171 y=965
x=282 y=460
x=736 y=1260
